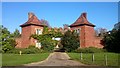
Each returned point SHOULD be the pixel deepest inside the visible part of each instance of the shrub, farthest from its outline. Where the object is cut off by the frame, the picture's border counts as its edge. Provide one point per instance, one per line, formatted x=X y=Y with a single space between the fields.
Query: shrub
x=7 y=47
x=1 y=51
x=90 y=50
x=29 y=50
x=14 y=51
x=47 y=46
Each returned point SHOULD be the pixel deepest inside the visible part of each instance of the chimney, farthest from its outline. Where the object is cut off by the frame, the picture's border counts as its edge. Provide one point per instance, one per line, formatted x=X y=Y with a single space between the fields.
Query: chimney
x=84 y=15
x=30 y=14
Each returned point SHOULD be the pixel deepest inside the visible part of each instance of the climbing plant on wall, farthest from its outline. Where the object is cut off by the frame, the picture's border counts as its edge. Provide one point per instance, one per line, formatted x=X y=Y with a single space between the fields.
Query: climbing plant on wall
x=46 y=38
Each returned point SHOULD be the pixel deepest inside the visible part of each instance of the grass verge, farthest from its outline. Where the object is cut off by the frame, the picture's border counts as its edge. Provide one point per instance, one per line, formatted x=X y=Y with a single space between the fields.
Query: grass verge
x=17 y=60
x=99 y=58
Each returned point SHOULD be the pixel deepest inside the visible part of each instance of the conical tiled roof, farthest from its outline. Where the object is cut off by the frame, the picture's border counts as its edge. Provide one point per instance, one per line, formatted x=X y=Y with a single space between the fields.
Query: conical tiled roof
x=32 y=20
x=82 y=20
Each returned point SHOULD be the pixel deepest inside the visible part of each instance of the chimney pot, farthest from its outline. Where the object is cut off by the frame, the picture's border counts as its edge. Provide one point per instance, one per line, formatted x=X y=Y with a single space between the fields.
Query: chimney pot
x=85 y=15
x=30 y=14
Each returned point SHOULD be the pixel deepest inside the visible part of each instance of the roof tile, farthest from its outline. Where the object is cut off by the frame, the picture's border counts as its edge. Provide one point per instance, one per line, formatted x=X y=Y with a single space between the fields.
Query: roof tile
x=82 y=20
x=32 y=20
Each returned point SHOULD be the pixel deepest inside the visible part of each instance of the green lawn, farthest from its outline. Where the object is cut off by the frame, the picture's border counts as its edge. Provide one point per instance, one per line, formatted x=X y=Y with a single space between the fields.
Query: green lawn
x=112 y=58
x=16 y=59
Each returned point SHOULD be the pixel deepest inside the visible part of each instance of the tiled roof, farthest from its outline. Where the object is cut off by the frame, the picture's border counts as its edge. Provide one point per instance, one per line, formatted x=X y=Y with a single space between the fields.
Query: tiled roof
x=82 y=20
x=32 y=20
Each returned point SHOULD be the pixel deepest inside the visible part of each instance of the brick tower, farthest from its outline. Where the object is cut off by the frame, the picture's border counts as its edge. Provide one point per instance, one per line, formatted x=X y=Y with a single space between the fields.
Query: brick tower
x=32 y=26
x=85 y=30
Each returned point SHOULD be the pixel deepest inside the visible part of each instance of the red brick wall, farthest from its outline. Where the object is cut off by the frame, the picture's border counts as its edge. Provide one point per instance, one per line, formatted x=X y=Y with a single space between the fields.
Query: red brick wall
x=25 y=36
x=18 y=42
x=98 y=42
x=87 y=37
x=33 y=31
x=26 y=32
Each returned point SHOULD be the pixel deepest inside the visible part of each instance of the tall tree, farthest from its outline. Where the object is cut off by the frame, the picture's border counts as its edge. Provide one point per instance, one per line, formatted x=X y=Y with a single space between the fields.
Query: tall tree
x=100 y=32
x=7 y=41
x=45 y=22
x=16 y=33
x=70 y=41
x=65 y=26
x=112 y=41
x=117 y=26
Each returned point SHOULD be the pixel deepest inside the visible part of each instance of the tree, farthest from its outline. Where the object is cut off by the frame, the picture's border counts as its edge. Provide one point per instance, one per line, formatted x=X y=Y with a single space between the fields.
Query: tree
x=112 y=41
x=7 y=42
x=16 y=33
x=100 y=32
x=70 y=41
x=65 y=26
x=117 y=26
x=45 y=22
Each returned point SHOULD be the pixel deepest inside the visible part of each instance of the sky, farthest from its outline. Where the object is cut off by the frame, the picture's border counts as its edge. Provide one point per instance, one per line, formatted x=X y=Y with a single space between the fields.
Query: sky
x=60 y=0
x=101 y=14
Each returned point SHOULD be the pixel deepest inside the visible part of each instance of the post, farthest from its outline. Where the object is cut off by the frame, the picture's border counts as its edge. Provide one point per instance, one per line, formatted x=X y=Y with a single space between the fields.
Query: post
x=81 y=56
x=93 y=58
x=20 y=52
x=106 y=60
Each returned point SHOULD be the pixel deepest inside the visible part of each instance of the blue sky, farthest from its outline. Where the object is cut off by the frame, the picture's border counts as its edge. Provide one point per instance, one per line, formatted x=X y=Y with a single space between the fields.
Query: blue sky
x=60 y=0
x=102 y=14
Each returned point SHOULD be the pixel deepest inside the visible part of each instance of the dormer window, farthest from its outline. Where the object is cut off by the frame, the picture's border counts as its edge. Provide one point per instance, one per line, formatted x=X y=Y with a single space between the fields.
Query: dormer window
x=38 y=31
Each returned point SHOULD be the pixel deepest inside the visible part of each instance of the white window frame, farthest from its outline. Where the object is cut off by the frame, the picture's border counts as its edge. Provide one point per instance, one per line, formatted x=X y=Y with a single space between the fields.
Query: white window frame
x=38 y=31
x=38 y=45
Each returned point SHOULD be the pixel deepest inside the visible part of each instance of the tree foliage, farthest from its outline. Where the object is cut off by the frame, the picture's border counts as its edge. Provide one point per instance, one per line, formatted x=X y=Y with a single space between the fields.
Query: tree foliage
x=45 y=22
x=65 y=26
x=46 y=38
x=16 y=34
x=7 y=41
x=112 y=41
x=100 y=32
x=70 y=41
x=117 y=26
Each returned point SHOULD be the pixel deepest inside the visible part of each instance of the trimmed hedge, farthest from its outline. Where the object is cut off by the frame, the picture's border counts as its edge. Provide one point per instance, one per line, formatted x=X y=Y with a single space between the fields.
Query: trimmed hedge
x=90 y=50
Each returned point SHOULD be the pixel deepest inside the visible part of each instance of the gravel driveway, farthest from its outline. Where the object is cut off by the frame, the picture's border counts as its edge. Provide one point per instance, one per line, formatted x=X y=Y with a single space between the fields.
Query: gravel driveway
x=57 y=59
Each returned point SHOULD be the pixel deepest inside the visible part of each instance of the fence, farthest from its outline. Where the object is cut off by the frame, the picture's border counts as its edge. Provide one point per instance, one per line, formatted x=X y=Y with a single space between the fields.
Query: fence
x=95 y=59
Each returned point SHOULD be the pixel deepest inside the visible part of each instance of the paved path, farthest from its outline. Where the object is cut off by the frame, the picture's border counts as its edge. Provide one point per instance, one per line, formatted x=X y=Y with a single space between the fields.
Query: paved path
x=57 y=59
